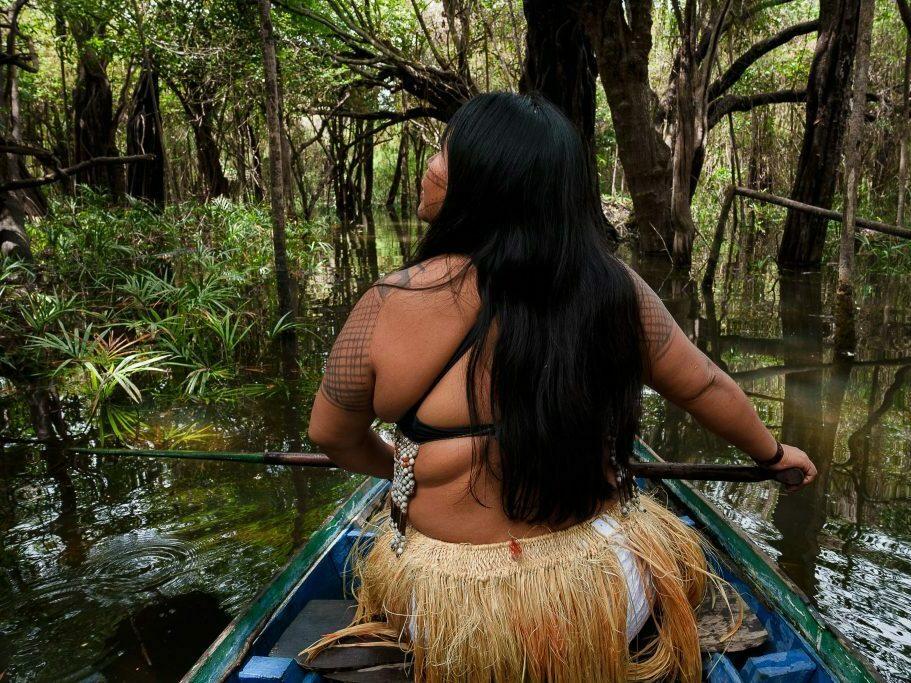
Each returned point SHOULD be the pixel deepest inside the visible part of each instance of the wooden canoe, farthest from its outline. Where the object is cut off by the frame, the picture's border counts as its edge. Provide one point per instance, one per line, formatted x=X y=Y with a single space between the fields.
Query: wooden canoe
x=798 y=645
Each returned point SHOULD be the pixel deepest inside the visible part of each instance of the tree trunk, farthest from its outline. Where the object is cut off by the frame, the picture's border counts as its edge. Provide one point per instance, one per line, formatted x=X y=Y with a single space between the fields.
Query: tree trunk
x=286 y=141
x=276 y=179
x=404 y=198
x=397 y=172
x=61 y=147
x=343 y=186
x=145 y=179
x=845 y=339
x=256 y=167
x=826 y=115
x=195 y=96
x=93 y=118
x=356 y=170
x=367 y=163
x=208 y=156
x=903 y=130
x=748 y=233
x=419 y=148
x=687 y=145
x=622 y=50
x=240 y=154
x=560 y=64
x=14 y=241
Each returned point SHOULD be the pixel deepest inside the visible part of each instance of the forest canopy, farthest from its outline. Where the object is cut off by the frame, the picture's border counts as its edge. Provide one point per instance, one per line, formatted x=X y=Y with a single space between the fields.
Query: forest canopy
x=672 y=98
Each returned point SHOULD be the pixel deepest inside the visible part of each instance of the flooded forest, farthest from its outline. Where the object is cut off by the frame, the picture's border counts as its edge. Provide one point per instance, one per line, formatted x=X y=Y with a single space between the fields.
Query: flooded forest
x=194 y=193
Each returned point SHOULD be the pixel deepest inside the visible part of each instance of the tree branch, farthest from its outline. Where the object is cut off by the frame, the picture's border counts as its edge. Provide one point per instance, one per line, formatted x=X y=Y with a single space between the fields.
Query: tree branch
x=70 y=170
x=24 y=62
x=376 y=59
x=763 y=47
x=392 y=116
x=721 y=107
x=736 y=18
x=904 y=11
x=705 y=68
x=26 y=150
x=429 y=38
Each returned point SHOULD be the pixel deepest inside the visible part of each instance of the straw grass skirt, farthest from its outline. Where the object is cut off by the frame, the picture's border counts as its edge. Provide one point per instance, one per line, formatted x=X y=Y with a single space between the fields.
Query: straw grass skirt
x=547 y=608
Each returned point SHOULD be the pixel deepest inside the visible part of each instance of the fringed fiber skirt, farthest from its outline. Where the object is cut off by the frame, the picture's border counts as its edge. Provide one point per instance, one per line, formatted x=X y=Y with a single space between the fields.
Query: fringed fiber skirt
x=561 y=606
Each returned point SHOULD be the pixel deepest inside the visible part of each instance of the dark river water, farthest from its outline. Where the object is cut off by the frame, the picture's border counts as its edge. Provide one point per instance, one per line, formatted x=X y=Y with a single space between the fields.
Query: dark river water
x=126 y=569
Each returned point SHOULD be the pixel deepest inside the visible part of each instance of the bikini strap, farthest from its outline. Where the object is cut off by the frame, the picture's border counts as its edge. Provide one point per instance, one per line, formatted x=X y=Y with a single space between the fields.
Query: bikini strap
x=460 y=351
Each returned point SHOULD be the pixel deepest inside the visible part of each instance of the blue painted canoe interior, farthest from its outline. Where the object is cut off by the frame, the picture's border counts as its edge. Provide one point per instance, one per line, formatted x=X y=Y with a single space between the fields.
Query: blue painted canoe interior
x=784 y=658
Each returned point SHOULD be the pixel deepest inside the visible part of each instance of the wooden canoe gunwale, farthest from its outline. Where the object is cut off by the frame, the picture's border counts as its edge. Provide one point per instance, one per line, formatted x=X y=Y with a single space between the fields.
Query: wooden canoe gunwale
x=234 y=643
x=768 y=583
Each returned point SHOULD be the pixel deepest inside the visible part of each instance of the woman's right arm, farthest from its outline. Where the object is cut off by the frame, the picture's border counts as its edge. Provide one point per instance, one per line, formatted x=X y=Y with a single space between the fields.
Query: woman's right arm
x=680 y=372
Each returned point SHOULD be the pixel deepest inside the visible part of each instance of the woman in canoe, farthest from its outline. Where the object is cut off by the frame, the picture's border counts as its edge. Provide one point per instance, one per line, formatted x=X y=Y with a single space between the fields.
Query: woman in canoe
x=511 y=353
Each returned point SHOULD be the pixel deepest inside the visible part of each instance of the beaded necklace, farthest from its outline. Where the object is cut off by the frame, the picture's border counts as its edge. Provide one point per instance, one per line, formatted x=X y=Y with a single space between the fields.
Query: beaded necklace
x=403 y=486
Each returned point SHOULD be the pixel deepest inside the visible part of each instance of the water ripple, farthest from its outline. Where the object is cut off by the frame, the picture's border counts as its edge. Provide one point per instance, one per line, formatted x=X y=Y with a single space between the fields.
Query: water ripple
x=141 y=560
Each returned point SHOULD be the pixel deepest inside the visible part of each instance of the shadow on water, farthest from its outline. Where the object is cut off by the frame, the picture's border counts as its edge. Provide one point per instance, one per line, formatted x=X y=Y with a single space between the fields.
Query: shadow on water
x=128 y=568
x=162 y=640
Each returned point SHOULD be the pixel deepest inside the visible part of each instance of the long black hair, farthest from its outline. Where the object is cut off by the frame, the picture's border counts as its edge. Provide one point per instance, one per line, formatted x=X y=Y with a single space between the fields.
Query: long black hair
x=566 y=371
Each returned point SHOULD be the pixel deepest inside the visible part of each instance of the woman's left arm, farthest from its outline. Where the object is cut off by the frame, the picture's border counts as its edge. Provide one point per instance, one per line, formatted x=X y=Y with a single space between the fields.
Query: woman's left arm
x=684 y=375
x=342 y=415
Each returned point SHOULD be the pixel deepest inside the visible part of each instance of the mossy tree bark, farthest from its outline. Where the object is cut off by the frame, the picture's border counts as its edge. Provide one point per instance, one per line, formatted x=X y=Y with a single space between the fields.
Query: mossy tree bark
x=277 y=182
x=823 y=139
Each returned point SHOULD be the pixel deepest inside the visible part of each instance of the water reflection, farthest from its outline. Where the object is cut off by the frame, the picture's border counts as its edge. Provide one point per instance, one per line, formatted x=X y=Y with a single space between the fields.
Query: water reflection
x=84 y=551
x=104 y=561
x=846 y=541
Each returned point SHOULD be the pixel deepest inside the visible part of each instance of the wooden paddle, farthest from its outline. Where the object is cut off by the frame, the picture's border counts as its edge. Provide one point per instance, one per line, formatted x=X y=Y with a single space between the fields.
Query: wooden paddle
x=712 y=472
x=648 y=470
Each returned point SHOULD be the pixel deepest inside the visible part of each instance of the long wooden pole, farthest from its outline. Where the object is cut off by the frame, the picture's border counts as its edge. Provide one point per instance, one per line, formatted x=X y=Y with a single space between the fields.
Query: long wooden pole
x=646 y=470
x=865 y=223
x=733 y=190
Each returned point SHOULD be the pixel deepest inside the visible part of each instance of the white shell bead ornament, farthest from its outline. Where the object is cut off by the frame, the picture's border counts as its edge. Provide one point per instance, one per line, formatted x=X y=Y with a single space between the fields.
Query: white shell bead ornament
x=402 y=488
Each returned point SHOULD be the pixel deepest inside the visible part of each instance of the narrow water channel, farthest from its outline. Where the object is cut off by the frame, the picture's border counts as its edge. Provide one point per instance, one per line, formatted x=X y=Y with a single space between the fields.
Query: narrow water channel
x=126 y=569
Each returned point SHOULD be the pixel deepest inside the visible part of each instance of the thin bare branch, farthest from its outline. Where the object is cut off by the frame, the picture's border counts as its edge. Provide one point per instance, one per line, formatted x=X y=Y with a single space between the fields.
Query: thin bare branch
x=755 y=52
x=719 y=108
x=71 y=170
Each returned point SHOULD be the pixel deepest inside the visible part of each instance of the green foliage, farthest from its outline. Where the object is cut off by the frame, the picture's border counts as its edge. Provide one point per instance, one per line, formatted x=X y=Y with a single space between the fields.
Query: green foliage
x=125 y=294
x=107 y=362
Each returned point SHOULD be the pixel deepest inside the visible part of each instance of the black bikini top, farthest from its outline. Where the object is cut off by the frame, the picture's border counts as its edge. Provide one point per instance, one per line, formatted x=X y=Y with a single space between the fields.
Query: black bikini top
x=421 y=432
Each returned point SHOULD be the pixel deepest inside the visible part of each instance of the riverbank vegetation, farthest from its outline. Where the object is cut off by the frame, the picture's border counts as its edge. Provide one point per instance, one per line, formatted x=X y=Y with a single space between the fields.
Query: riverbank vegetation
x=174 y=173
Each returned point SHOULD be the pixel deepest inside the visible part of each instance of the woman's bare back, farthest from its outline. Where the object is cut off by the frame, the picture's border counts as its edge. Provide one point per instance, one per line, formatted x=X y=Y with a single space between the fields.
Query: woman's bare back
x=416 y=333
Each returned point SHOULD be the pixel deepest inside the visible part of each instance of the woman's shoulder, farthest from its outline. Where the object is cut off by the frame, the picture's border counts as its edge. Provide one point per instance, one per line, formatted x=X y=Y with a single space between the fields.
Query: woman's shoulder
x=433 y=271
x=438 y=278
x=436 y=289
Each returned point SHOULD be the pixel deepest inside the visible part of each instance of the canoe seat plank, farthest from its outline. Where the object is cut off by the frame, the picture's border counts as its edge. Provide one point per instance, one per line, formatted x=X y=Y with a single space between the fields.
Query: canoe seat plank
x=355 y=658
x=366 y=663
x=317 y=618
x=714 y=621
